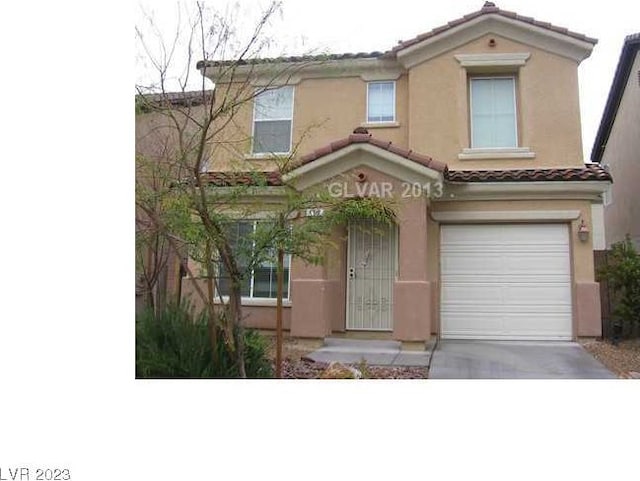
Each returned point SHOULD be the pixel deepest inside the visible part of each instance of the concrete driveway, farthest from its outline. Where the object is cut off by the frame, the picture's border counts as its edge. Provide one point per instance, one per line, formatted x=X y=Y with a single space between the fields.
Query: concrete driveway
x=514 y=360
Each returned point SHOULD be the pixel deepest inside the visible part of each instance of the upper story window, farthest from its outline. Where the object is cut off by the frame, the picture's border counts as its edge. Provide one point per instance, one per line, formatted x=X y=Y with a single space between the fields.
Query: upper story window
x=272 y=121
x=381 y=102
x=493 y=112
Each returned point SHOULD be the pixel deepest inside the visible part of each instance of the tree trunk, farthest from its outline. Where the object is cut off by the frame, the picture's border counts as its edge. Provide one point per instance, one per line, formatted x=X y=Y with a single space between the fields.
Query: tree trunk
x=149 y=301
x=235 y=320
x=211 y=324
x=279 y=294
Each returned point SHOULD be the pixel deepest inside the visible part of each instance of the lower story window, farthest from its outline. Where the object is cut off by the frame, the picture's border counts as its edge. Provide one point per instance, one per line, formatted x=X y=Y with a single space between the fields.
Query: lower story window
x=260 y=282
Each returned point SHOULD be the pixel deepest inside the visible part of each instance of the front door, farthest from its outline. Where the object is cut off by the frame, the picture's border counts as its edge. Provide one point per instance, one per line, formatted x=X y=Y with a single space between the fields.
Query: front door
x=371 y=269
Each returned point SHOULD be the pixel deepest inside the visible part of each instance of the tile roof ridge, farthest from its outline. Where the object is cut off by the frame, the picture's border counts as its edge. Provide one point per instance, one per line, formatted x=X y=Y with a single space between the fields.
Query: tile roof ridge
x=361 y=135
x=491 y=8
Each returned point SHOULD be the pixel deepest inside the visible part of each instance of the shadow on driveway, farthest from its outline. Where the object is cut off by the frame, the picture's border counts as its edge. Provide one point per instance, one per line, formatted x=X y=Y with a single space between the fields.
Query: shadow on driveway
x=514 y=360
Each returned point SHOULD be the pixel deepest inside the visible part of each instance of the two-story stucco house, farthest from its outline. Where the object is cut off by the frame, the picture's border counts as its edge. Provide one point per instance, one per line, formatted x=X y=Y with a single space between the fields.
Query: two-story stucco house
x=483 y=113
x=617 y=145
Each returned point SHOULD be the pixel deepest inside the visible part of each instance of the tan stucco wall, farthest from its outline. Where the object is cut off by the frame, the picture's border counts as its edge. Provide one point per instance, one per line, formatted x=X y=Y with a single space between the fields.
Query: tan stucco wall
x=433 y=113
x=547 y=106
x=324 y=110
x=622 y=216
x=318 y=292
x=156 y=135
x=329 y=109
x=255 y=317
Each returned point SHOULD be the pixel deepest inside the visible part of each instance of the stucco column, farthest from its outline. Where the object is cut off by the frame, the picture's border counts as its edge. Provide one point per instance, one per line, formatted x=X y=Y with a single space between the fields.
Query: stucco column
x=588 y=318
x=411 y=290
x=310 y=293
x=317 y=292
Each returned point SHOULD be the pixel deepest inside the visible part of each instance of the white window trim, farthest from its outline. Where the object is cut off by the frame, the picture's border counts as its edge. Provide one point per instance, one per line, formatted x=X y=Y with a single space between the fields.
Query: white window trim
x=496 y=153
x=260 y=155
x=482 y=60
x=382 y=123
x=515 y=107
x=257 y=301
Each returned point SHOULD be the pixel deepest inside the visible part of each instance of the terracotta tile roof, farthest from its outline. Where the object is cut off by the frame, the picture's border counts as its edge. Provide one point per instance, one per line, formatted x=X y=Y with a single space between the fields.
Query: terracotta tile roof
x=589 y=172
x=292 y=59
x=151 y=101
x=362 y=136
x=490 y=8
x=229 y=179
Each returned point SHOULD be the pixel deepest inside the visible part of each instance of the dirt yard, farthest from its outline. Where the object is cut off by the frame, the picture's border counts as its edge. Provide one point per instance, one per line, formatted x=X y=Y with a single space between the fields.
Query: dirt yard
x=623 y=359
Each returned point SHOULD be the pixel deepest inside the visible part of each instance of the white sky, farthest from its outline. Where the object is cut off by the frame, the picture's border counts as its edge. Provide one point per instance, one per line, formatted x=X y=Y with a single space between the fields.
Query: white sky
x=338 y=26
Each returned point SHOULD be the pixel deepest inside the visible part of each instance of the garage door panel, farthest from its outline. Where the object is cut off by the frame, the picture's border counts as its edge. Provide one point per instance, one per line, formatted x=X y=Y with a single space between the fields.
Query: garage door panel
x=470 y=293
x=525 y=264
x=551 y=293
x=505 y=282
x=512 y=234
x=487 y=308
x=501 y=325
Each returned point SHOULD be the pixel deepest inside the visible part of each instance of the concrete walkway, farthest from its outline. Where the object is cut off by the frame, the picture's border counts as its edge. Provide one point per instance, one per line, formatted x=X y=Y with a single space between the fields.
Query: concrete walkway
x=514 y=360
x=473 y=359
x=375 y=353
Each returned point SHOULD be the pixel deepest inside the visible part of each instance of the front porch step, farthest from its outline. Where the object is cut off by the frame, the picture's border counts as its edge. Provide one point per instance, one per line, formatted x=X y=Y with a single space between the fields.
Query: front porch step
x=374 y=352
x=342 y=344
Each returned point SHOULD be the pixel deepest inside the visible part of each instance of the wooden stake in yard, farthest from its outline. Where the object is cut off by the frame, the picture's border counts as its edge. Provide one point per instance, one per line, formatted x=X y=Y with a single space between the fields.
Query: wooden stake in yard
x=279 y=280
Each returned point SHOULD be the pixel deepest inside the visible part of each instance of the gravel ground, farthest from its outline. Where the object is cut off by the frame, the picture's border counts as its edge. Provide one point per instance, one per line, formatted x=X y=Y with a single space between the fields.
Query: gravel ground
x=296 y=366
x=623 y=359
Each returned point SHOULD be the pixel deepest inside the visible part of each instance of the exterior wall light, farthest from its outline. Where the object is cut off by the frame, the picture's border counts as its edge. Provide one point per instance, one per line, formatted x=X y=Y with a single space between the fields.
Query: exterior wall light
x=583 y=231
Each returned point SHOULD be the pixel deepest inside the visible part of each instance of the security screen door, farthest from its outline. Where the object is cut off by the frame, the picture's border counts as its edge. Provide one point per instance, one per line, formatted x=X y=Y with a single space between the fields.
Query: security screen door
x=371 y=268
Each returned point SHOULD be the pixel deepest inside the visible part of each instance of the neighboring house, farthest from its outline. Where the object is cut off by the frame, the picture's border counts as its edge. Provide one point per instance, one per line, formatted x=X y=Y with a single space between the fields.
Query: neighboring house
x=617 y=146
x=474 y=128
x=157 y=268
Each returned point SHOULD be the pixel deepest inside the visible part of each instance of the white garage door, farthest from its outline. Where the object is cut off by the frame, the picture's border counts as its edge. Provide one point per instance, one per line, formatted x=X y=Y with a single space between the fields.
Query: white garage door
x=505 y=281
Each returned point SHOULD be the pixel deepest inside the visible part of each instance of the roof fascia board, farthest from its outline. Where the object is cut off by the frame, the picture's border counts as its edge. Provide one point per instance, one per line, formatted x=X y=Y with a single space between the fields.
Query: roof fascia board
x=576 y=190
x=618 y=86
x=518 y=31
x=505 y=216
x=289 y=73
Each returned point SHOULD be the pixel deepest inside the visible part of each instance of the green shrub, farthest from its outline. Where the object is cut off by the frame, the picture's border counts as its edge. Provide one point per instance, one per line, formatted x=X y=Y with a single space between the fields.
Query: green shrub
x=256 y=357
x=623 y=274
x=175 y=344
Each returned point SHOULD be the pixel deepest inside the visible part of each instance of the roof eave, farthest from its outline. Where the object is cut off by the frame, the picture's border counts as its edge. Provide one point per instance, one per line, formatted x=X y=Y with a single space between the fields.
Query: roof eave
x=550 y=40
x=368 y=68
x=618 y=85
